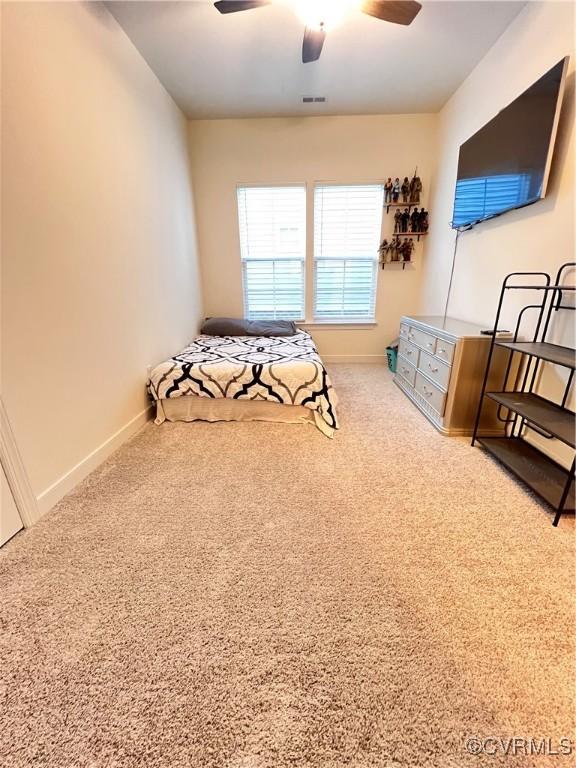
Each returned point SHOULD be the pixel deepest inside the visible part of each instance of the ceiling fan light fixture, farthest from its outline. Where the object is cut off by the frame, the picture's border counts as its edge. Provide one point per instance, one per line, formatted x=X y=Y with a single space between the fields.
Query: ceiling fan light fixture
x=323 y=14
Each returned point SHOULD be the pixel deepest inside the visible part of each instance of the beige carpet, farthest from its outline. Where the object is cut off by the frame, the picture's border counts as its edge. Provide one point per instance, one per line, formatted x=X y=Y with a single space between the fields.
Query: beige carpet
x=257 y=596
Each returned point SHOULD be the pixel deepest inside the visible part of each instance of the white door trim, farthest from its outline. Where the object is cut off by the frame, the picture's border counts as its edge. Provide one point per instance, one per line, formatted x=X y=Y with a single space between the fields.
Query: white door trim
x=16 y=473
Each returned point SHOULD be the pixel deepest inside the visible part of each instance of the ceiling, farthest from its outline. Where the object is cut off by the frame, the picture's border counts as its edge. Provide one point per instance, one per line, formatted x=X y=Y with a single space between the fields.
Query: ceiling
x=249 y=64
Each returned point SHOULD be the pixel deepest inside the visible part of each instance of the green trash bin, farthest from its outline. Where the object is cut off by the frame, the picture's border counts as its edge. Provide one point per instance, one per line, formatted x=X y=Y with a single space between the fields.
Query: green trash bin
x=392 y=355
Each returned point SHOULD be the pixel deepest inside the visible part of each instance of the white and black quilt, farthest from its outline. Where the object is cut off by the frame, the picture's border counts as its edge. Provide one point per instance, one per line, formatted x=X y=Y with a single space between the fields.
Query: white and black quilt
x=279 y=369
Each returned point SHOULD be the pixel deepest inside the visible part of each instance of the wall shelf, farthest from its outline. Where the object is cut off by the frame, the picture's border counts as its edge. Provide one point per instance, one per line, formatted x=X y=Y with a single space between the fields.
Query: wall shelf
x=398 y=261
x=410 y=234
x=402 y=205
x=394 y=240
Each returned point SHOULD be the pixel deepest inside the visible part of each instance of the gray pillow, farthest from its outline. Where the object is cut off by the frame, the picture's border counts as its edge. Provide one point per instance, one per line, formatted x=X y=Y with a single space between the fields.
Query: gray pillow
x=234 y=326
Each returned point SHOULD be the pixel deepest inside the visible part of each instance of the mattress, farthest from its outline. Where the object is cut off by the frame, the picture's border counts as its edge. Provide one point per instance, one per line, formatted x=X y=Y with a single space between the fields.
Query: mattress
x=285 y=371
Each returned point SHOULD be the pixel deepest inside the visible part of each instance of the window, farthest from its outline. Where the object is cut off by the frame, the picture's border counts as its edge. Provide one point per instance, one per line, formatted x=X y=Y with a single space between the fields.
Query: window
x=347 y=229
x=273 y=250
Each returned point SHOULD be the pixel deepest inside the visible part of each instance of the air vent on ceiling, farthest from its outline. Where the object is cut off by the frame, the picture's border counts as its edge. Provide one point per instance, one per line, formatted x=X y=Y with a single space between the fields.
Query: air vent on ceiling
x=312 y=99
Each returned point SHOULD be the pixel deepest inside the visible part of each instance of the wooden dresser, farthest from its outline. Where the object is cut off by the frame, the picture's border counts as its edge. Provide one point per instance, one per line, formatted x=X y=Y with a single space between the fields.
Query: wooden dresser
x=441 y=364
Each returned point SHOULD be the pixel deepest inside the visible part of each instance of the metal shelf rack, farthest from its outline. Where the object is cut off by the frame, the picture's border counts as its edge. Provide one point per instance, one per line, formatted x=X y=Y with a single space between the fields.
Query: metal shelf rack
x=524 y=408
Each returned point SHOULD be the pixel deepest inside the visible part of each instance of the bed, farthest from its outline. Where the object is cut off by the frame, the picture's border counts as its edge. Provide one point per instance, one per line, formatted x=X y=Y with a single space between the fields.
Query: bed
x=246 y=378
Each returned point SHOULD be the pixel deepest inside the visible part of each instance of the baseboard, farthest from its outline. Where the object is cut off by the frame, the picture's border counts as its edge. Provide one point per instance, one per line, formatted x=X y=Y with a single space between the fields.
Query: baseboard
x=52 y=495
x=15 y=472
x=376 y=359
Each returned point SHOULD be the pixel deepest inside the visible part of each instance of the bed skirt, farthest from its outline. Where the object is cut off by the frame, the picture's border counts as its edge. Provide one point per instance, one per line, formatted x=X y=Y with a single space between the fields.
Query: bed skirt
x=191 y=408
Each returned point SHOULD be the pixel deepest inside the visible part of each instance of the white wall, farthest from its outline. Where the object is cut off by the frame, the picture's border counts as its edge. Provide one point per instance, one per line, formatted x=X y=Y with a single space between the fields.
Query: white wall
x=99 y=265
x=274 y=151
x=539 y=237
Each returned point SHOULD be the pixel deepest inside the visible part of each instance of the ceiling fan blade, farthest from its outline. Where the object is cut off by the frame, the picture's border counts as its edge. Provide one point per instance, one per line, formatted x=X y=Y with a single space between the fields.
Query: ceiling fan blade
x=396 y=11
x=231 y=6
x=312 y=44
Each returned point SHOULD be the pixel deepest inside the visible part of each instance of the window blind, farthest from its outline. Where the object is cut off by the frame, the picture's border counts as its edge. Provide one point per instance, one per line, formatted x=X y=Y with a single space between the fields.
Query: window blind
x=347 y=229
x=272 y=224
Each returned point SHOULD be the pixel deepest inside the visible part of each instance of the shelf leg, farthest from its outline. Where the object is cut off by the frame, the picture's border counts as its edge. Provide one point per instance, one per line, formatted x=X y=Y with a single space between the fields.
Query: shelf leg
x=564 y=495
x=568 y=385
x=488 y=362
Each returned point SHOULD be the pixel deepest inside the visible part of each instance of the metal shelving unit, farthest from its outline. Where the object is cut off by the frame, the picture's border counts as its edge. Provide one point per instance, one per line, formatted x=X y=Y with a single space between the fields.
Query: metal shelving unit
x=525 y=409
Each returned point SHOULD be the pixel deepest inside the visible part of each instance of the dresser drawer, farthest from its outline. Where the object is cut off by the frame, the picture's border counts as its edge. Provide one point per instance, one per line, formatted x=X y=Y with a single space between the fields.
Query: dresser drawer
x=434 y=396
x=444 y=350
x=404 y=331
x=434 y=369
x=408 y=351
x=422 y=339
x=406 y=370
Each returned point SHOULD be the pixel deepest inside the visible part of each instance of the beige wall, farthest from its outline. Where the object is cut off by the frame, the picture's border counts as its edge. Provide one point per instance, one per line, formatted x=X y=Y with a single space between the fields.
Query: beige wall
x=539 y=237
x=99 y=267
x=274 y=151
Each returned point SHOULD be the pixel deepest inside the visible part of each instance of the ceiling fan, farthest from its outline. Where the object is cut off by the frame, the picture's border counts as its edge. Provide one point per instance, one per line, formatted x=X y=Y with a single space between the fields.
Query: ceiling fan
x=395 y=11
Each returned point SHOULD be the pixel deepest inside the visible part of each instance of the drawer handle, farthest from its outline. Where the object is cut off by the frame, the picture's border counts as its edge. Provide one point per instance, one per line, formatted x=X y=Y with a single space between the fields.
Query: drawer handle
x=442 y=351
x=430 y=344
x=408 y=351
x=427 y=393
x=434 y=370
x=405 y=371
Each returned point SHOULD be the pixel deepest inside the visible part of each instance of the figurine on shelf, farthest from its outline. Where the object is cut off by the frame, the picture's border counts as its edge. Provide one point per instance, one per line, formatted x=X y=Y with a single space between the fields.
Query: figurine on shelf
x=390 y=251
x=415 y=189
x=396 y=190
x=423 y=220
x=397 y=221
x=415 y=223
x=404 y=218
x=384 y=250
x=405 y=189
x=388 y=191
x=406 y=249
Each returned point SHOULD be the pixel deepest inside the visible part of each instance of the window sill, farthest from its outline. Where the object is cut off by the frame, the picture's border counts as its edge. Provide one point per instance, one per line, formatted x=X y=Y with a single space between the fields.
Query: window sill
x=337 y=325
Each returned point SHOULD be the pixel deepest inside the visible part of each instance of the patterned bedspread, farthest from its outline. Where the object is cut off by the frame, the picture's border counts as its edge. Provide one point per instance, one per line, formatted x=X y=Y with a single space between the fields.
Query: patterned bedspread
x=282 y=370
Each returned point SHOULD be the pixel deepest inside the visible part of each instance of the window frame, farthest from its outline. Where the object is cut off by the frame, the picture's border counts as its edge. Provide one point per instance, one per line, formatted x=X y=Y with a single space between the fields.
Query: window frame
x=343 y=322
x=304 y=260
x=308 y=321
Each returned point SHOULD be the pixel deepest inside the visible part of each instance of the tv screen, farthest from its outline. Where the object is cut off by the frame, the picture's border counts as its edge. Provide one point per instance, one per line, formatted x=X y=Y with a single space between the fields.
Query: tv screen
x=505 y=164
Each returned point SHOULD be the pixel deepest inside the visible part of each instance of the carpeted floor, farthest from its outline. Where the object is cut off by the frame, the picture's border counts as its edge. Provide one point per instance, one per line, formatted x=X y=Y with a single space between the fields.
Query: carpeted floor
x=258 y=596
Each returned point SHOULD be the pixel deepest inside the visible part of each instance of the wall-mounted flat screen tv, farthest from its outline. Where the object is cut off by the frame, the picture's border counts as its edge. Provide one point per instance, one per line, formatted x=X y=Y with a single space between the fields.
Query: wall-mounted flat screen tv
x=505 y=165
